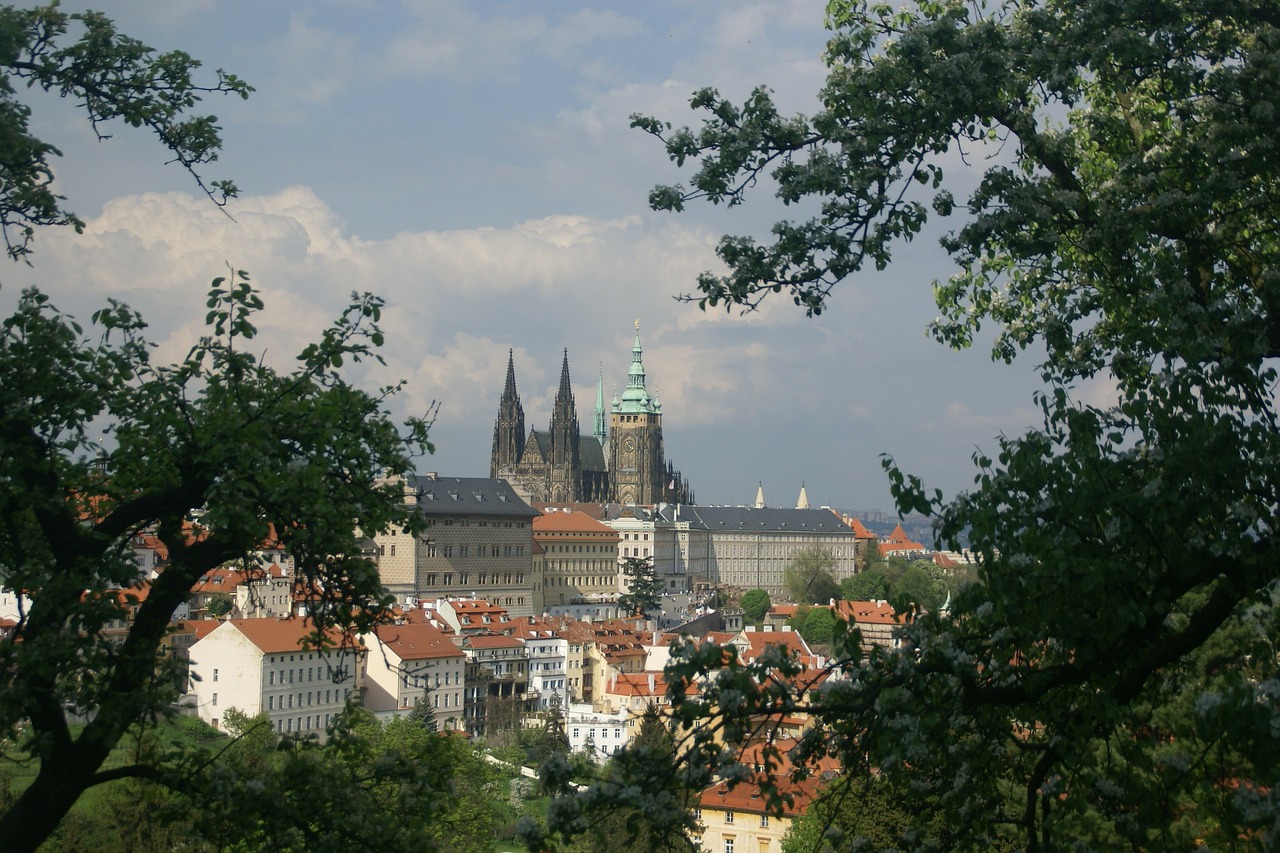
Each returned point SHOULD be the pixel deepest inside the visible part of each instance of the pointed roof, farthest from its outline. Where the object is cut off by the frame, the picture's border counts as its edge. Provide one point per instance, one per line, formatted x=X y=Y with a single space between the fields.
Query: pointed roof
x=802 y=502
x=636 y=399
x=510 y=389
x=599 y=430
x=860 y=530
x=760 y=495
x=565 y=392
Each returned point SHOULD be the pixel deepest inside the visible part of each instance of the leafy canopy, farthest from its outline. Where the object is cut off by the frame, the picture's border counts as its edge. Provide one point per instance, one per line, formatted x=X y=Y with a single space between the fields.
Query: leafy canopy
x=1124 y=221
x=215 y=455
x=112 y=77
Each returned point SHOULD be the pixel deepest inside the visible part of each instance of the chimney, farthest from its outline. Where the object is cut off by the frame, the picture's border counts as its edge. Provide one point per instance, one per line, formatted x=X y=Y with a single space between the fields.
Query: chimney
x=651 y=682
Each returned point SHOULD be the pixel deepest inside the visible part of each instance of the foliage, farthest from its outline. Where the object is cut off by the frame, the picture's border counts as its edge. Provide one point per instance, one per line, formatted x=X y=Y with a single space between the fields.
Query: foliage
x=613 y=813
x=393 y=785
x=819 y=625
x=755 y=604
x=904 y=582
x=219 y=604
x=423 y=712
x=112 y=78
x=808 y=576
x=1127 y=176
x=864 y=813
x=213 y=455
x=643 y=583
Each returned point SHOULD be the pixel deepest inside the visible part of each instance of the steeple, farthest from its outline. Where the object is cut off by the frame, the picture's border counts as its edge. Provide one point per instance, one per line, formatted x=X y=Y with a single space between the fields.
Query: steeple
x=564 y=419
x=635 y=399
x=760 y=495
x=599 y=430
x=509 y=392
x=508 y=430
x=803 y=501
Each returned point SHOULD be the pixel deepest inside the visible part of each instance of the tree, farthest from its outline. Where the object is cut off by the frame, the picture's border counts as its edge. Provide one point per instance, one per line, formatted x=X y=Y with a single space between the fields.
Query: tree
x=214 y=455
x=388 y=786
x=220 y=604
x=615 y=814
x=643 y=585
x=808 y=576
x=755 y=604
x=1123 y=224
x=867 y=585
x=818 y=626
x=111 y=77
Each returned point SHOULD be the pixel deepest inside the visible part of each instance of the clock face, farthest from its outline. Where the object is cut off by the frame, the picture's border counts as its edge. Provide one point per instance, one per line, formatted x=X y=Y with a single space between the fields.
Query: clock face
x=629 y=444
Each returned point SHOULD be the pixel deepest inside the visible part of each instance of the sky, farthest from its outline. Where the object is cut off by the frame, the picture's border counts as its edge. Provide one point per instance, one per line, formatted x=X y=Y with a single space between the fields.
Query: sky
x=472 y=163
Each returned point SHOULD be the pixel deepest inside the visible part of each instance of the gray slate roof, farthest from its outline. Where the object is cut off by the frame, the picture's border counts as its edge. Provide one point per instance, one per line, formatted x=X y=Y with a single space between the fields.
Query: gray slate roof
x=469 y=496
x=768 y=519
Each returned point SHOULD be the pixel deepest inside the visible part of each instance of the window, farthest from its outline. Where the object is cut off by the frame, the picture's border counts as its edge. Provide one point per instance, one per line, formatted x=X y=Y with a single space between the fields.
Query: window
x=215 y=673
x=215 y=700
x=764 y=821
x=728 y=843
x=393 y=550
x=728 y=817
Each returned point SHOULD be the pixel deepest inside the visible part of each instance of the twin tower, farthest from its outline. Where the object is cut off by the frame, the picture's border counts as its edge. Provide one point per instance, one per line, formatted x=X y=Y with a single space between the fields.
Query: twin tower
x=619 y=462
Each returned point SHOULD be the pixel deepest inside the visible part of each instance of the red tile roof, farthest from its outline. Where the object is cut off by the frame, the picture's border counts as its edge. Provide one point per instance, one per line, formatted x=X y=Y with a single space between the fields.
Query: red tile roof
x=272 y=635
x=418 y=642
x=869 y=612
x=571 y=522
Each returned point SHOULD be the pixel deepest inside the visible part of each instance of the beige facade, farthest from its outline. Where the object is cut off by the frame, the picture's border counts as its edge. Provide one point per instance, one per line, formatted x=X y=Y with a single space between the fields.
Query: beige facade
x=478 y=542
x=580 y=560
x=411 y=663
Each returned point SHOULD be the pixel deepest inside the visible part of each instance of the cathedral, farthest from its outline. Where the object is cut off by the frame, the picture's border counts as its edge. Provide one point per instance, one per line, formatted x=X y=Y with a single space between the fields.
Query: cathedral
x=621 y=461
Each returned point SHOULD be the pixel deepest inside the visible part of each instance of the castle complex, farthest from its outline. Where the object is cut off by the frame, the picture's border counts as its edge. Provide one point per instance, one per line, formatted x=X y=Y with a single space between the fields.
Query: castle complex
x=619 y=462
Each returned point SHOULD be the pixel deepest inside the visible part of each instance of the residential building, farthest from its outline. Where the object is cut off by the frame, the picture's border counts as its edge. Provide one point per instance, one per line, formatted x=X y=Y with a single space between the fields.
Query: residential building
x=877 y=621
x=413 y=662
x=496 y=681
x=259 y=666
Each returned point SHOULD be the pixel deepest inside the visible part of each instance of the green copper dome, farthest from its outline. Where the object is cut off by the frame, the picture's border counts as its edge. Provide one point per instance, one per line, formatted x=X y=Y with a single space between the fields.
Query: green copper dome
x=636 y=400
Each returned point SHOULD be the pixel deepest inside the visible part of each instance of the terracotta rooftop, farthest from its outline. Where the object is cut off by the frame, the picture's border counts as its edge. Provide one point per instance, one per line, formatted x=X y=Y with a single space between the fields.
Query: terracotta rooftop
x=868 y=612
x=572 y=522
x=492 y=641
x=419 y=641
x=273 y=635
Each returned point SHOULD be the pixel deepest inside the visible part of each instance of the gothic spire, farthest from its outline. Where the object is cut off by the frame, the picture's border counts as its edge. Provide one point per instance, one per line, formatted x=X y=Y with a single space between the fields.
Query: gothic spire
x=599 y=431
x=510 y=390
x=564 y=419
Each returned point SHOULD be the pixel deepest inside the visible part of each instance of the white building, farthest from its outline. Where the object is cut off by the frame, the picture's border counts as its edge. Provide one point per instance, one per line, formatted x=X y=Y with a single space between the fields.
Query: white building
x=548 y=653
x=259 y=667
x=598 y=733
x=409 y=662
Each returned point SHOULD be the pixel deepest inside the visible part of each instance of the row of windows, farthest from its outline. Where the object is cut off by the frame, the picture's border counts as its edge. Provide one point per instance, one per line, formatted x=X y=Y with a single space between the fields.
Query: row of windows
x=463 y=551
x=330 y=696
x=481 y=578
x=466 y=522
x=311 y=673
x=295 y=724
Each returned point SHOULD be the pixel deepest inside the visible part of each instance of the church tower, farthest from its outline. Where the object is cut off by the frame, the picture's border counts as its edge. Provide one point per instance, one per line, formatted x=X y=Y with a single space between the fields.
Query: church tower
x=508 y=430
x=564 y=459
x=637 y=462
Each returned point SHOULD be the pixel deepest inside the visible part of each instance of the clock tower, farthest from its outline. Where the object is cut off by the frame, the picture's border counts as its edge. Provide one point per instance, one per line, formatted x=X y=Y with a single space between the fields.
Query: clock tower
x=637 y=463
